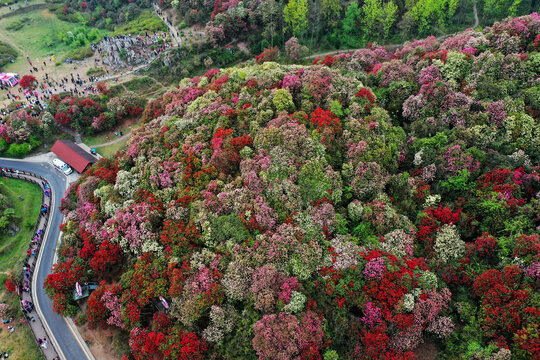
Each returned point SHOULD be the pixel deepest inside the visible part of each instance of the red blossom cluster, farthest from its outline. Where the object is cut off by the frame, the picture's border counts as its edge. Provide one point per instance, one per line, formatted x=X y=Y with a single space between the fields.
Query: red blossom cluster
x=268 y=54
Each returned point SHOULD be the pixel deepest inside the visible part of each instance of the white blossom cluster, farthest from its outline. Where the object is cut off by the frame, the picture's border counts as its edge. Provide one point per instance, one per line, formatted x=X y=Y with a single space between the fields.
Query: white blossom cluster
x=448 y=244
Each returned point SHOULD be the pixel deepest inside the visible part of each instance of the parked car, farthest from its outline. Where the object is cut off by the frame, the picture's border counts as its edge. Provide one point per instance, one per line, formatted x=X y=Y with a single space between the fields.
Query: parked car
x=62 y=166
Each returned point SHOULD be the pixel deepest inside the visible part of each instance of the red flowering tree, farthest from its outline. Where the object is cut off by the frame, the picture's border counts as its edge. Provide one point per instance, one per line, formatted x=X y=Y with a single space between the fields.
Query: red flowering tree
x=27 y=81
x=147 y=280
x=145 y=344
x=161 y=322
x=484 y=247
x=366 y=98
x=102 y=87
x=182 y=345
x=106 y=258
x=268 y=54
x=104 y=169
x=60 y=284
x=96 y=312
x=328 y=124
x=62 y=118
x=63 y=277
x=504 y=301
x=178 y=237
x=10 y=285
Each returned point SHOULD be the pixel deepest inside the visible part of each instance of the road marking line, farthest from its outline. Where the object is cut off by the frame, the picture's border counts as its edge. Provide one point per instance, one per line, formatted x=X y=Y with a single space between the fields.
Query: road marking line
x=79 y=338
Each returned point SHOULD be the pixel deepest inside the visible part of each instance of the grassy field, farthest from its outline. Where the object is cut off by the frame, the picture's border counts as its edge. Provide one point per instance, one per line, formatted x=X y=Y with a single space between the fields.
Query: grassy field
x=102 y=137
x=39 y=37
x=19 y=5
x=40 y=33
x=13 y=248
x=110 y=150
x=146 y=22
x=19 y=345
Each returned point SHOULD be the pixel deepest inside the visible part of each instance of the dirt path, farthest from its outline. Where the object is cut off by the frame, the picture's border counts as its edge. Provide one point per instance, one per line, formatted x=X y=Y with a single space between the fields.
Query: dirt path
x=174 y=32
x=121 y=138
x=335 y=52
x=10 y=42
x=389 y=47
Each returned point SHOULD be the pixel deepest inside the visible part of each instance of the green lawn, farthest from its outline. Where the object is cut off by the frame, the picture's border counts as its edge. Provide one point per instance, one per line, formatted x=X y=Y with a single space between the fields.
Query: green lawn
x=110 y=151
x=13 y=248
x=21 y=344
x=146 y=22
x=101 y=138
x=20 y=5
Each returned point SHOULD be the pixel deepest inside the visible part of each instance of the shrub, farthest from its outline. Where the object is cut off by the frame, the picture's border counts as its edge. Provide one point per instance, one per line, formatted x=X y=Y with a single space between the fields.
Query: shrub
x=268 y=54
x=80 y=53
x=27 y=81
x=19 y=150
x=7 y=54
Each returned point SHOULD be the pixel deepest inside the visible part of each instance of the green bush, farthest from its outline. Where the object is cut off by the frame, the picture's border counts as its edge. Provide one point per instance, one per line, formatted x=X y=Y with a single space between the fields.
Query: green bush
x=80 y=54
x=17 y=24
x=95 y=72
x=6 y=52
x=3 y=145
x=146 y=22
x=34 y=142
x=19 y=150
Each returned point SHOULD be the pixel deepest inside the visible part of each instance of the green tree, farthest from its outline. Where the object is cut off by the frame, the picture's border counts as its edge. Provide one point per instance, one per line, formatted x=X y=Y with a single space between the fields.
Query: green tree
x=6 y=218
x=426 y=13
x=379 y=18
x=270 y=13
x=372 y=11
x=295 y=15
x=350 y=25
x=498 y=9
x=331 y=10
x=390 y=12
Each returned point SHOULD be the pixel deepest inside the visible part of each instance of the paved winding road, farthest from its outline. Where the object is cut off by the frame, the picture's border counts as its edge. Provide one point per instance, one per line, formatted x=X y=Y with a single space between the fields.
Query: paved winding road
x=69 y=345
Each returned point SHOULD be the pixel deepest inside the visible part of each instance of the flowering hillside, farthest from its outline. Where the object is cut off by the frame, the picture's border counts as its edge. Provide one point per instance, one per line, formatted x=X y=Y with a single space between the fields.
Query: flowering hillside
x=351 y=209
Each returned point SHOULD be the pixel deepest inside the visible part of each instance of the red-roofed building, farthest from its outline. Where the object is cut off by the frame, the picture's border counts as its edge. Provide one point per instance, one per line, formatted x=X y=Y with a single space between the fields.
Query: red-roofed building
x=73 y=155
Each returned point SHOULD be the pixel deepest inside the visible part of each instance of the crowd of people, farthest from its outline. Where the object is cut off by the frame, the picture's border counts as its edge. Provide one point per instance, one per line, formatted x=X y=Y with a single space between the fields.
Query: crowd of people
x=148 y=47
x=42 y=89
x=156 y=42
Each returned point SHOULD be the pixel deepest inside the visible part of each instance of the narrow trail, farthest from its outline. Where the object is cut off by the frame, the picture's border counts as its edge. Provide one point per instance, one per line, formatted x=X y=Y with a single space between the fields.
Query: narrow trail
x=172 y=30
x=389 y=47
x=117 y=140
x=10 y=42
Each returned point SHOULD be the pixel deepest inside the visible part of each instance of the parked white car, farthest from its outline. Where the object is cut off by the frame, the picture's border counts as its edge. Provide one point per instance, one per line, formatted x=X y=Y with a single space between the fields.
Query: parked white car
x=62 y=166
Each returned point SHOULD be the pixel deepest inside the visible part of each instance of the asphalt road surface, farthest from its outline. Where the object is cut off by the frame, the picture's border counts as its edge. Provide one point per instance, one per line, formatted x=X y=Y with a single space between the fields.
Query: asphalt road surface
x=67 y=341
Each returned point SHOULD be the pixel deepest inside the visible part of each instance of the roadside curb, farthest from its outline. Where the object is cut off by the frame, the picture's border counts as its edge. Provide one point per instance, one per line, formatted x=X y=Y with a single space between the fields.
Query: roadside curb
x=67 y=319
x=79 y=338
x=34 y=288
